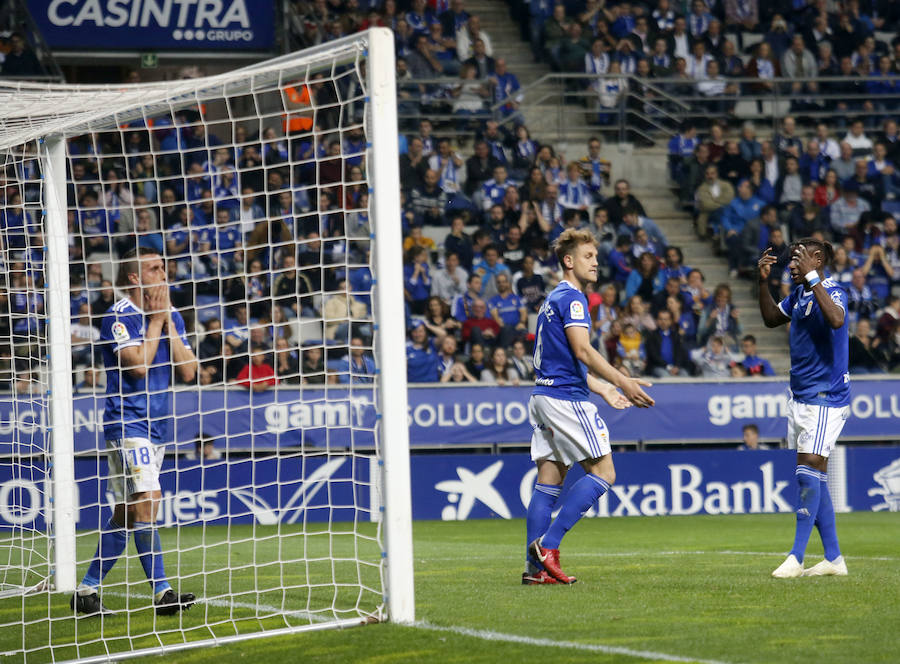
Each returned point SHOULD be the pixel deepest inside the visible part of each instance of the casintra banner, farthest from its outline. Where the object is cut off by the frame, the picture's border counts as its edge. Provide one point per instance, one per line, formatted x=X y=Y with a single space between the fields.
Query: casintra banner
x=153 y=25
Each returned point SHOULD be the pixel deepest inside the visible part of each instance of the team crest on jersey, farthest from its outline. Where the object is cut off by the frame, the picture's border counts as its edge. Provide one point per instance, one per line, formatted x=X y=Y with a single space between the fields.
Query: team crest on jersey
x=120 y=332
x=576 y=310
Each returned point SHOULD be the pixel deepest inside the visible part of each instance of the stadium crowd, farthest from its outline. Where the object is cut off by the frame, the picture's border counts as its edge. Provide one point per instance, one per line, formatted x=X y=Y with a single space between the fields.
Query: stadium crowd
x=266 y=235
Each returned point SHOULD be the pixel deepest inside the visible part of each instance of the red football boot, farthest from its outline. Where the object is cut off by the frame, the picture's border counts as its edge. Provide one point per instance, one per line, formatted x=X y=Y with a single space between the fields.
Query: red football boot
x=540 y=578
x=549 y=558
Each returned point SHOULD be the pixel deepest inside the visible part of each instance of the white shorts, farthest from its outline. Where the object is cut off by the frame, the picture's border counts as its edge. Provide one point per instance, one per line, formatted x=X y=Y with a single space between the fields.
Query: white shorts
x=814 y=429
x=134 y=466
x=566 y=431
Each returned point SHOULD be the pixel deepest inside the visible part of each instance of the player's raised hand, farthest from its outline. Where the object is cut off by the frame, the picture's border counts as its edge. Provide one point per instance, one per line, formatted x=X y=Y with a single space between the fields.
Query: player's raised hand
x=631 y=387
x=806 y=262
x=766 y=261
x=157 y=301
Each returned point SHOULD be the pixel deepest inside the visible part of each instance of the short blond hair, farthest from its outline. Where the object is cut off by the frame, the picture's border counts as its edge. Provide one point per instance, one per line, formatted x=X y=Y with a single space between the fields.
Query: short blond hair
x=569 y=240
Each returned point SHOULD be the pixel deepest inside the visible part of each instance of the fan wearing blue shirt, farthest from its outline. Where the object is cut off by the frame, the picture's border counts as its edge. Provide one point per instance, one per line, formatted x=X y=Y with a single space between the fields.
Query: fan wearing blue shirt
x=508 y=310
x=566 y=427
x=820 y=392
x=143 y=339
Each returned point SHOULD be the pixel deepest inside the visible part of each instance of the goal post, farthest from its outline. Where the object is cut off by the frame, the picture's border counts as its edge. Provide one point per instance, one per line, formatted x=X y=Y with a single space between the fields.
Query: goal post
x=386 y=178
x=271 y=194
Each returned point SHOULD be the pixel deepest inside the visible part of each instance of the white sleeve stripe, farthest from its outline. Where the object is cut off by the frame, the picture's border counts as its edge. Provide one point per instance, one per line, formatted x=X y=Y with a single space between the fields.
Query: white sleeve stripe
x=577 y=325
x=782 y=310
x=127 y=345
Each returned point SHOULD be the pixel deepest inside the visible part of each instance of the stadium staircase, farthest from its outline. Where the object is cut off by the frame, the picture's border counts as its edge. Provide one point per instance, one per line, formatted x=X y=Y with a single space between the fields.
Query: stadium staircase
x=645 y=169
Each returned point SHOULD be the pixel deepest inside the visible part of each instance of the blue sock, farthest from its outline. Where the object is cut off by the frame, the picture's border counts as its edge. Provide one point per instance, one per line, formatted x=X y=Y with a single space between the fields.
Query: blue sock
x=582 y=495
x=540 y=511
x=113 y=540
x=826 y=524
x=149 y=547
x=810 y=481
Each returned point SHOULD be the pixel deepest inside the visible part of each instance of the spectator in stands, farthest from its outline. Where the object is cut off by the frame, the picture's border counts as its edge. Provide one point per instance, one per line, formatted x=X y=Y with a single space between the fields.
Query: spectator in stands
x=417 y=279
x=449 y=282
x=860 y=302
x=438 y=320
x=712 y=199
x=666 y=355
x=91 y=382
x=212 y=354
x=479 y=167
x=507 y=309
x=789 y=188
x=84 y=336
x=799 y=63
x=879 y=273
x=863 y=357
x=813 y=163
x=94 y=223
x=644 y=280
x=521 y=362
x=692 y=174
x=845 y=165
x=713 y=360
x=860 y=143
x=750 y=433
x=888 y=319
x=498 y=370
x=637 y=313
x=475 y=364
x=466 y=37
x=755 y=365
x=484 y=64
x=720 y=319
x=413 y=165
x=736 y=215
x=827 y=191
x=847 y=210
x=763 y=68
x=105 y=299
x=357 y=367
x=488 y=269
x=287 y=362
x=630 y=349
x=312 y=369
x=478 y=328
x=446 y=356
x=20 y=61
x=771 y=163
x=681 y=148
x=451 y=171
x=529 y=285
x=732 y=166
x=698 y=60
x=429 y=201
x=258 y=375
x=421 y=356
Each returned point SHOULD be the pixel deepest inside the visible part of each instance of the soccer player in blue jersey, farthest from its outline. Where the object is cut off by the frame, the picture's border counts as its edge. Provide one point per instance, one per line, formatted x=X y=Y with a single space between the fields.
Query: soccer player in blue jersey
x=820 y=392
x=566 y=427
x=143 y=338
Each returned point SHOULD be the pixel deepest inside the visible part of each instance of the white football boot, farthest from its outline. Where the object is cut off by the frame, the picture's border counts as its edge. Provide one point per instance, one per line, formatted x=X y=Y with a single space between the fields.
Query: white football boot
x=789 y=569
x=836 y=567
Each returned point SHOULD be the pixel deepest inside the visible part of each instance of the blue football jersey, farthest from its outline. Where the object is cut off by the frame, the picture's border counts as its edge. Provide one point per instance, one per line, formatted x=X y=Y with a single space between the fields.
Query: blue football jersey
x=819 y=353
x=136 y=407
x=558 y=373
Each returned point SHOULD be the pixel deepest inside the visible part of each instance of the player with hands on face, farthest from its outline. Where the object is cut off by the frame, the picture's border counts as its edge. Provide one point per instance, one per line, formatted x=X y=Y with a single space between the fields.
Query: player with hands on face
x=566 y=427
x=145 y=339
x=820 y=392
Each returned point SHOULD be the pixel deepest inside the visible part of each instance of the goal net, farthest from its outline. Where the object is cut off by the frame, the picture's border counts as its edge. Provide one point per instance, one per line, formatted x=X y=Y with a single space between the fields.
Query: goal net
x=201 y=282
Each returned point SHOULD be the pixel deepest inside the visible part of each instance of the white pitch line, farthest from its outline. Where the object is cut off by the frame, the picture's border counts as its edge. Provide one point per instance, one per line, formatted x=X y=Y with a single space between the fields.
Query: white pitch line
x=487 y=635
x=648 y=554
x=230 y=604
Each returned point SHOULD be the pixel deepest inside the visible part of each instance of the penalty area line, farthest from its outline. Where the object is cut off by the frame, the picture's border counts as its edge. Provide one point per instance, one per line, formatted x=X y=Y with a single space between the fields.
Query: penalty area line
x=487 y=635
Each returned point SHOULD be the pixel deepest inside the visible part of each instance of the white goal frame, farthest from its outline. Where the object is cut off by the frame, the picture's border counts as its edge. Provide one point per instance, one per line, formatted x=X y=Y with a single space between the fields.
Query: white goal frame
x=392 y=431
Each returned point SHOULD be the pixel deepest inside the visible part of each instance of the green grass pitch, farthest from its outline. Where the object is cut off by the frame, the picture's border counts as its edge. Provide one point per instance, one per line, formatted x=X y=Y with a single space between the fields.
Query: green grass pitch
x=650 y=589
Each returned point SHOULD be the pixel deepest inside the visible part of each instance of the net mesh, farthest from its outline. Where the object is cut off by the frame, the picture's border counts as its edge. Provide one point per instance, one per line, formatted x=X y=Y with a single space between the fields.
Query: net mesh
x=253 y=189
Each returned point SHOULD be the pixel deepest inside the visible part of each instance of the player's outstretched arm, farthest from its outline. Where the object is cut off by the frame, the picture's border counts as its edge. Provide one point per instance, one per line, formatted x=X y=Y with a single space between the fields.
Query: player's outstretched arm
x=771 y=314
x=580 y=343
x=608 y=391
